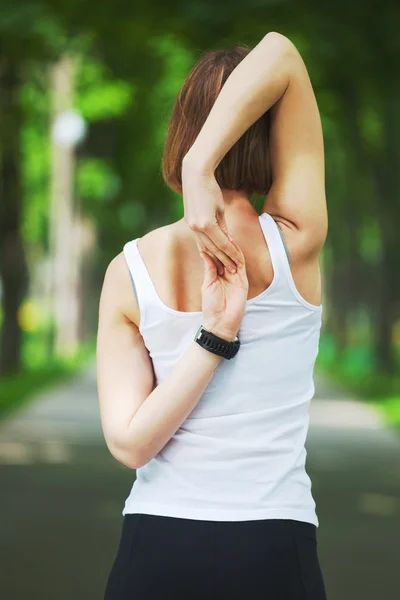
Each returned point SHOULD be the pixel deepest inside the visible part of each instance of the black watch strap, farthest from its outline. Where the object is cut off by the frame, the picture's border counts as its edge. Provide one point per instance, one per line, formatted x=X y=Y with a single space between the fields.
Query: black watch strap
x=208 y=340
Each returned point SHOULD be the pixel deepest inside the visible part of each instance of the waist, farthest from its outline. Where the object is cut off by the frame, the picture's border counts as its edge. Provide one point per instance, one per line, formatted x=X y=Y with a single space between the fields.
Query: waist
x=230 y=487
x=221 y=496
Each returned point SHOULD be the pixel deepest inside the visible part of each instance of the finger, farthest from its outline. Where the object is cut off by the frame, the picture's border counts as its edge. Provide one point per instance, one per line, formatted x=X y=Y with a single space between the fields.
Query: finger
x=222 y=238
x=210 y=246
x=218 y=264
x=210 y=271
x=242 y=259
x=204 y=244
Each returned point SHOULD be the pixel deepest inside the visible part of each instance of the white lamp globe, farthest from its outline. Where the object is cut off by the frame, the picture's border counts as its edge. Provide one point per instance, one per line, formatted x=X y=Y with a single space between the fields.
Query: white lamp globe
x=68 y=129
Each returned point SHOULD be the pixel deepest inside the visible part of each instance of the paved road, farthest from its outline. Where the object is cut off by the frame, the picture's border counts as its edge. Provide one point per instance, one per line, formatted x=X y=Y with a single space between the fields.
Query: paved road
x=62 y=497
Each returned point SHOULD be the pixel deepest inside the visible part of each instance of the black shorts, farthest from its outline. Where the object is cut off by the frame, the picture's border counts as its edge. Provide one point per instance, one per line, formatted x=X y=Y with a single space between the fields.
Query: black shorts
x=165 y=558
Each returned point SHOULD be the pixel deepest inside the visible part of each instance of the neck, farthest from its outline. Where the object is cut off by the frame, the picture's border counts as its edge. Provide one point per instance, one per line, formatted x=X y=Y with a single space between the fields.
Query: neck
x=237 y=207
x=236 y=202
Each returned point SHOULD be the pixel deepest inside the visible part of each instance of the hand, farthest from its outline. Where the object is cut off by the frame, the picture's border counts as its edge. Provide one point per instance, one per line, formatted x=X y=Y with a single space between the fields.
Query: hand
x=205 y=215
x=223 y=297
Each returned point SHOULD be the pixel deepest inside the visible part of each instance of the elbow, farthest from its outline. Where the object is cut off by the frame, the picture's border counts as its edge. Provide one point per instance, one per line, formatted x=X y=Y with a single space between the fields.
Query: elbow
x=126 y=447
x=277 y=38
x=128 y=456
x=136 y=461
x=279 y=44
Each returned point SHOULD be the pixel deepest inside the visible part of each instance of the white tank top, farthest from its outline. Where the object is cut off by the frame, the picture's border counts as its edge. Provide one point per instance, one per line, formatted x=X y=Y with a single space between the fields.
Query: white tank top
x=240 y=453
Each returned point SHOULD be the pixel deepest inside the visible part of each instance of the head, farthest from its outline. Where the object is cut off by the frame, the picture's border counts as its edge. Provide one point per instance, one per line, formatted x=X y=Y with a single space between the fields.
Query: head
x=246 y=166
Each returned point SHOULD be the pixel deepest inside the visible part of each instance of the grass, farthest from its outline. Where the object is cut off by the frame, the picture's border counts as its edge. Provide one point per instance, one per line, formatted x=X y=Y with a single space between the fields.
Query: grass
x=18 y=389
x=354 y=371
x=390 y=408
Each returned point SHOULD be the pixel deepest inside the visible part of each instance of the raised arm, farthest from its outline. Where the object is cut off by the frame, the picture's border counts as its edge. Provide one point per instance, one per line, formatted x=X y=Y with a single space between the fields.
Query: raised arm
x=272 y=76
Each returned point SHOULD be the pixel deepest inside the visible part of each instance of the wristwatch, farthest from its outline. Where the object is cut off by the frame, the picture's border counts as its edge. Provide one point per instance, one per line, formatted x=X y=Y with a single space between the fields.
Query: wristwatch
x=215 y=344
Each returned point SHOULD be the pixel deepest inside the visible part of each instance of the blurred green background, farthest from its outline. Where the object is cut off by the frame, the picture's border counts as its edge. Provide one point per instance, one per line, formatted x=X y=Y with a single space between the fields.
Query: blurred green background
x=110 y=72
x=65 y=212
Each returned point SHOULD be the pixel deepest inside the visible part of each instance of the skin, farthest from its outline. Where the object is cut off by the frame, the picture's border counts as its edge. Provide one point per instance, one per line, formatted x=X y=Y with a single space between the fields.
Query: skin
x=138 y=419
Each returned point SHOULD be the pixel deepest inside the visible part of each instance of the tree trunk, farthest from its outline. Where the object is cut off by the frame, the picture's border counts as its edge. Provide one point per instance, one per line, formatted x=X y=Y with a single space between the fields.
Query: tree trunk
x=64 y=227
x=13 y=267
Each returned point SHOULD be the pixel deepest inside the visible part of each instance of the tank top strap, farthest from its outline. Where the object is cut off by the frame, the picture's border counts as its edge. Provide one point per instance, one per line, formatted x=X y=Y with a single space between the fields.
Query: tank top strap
x=276 y=245
x=142 y=284
x=280 y=261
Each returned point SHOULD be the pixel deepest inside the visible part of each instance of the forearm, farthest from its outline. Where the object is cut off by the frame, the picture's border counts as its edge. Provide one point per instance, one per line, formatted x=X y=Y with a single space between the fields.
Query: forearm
x=254 y=86
x=169 y=404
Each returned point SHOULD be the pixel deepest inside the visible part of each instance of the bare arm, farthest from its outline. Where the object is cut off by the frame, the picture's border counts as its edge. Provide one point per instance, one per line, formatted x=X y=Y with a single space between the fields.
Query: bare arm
x=138 y=420
x=272 y=76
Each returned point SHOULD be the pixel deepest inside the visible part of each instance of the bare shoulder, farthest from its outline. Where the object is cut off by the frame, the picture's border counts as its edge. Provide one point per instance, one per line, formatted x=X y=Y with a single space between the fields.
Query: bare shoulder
x=118 y=293
x=163 y=239
x=117 y=300
x=167 y=249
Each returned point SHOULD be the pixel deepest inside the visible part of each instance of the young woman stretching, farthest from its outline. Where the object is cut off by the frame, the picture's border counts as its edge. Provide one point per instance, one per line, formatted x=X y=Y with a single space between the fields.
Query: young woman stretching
x=205 y=375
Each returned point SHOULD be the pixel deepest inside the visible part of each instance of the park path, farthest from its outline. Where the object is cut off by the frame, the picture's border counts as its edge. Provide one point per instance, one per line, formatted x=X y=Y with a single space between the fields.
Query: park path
x=63 y=493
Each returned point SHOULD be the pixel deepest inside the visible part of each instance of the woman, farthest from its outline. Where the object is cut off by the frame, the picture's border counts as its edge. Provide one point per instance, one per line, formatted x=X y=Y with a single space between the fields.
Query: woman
x=205 y=375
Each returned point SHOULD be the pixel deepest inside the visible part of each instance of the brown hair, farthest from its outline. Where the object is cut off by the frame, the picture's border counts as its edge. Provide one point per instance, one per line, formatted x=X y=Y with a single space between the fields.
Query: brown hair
x=246 y=166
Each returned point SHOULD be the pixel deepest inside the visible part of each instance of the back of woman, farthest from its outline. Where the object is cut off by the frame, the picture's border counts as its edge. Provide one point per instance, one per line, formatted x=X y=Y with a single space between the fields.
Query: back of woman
x=205 y=375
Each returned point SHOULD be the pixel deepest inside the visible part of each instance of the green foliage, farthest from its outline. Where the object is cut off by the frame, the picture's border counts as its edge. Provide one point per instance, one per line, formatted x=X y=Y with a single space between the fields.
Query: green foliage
x=131 y=65
x=354 y=368
x=177 y=61
x=371 y=127
x=132 y=212
x=96 y=180
x=36 y=163
x=98 y=94
x=370 y=242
